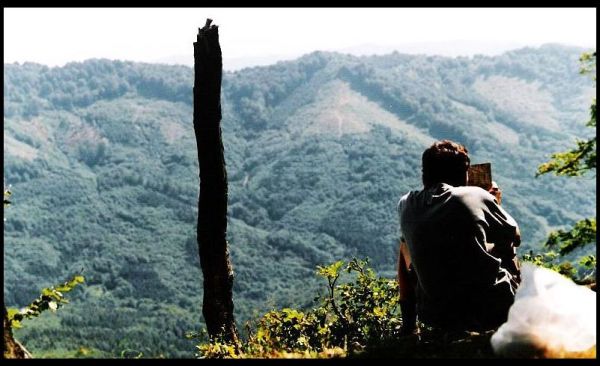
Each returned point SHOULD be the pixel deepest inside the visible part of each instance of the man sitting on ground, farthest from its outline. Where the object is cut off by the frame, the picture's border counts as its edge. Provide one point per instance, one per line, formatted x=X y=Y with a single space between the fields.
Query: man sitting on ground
x=458 y=252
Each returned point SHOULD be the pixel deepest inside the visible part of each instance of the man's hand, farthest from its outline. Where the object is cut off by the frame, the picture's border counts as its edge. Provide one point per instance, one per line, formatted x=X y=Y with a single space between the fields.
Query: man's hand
x=496 y=192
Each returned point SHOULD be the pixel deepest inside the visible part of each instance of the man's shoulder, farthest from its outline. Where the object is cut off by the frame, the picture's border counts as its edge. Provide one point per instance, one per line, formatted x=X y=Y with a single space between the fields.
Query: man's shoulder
x=409 y=195
x=406 y=195
x=404 y=199
x=474 y=199
x=470 y=192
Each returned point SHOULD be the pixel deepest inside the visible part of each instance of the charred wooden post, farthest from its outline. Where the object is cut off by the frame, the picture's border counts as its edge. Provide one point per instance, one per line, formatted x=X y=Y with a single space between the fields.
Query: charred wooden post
x=217 y=306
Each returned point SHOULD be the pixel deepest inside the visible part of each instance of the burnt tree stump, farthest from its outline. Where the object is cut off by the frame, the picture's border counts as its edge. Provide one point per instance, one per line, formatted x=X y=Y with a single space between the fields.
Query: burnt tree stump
x=217 y=306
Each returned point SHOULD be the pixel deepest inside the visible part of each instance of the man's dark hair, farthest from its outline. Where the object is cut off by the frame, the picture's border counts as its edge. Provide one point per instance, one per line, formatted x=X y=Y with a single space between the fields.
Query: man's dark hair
x=445 y=162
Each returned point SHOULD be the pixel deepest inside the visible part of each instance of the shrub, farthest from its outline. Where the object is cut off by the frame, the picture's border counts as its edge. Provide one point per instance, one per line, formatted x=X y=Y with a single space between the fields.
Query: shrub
x=351 y=316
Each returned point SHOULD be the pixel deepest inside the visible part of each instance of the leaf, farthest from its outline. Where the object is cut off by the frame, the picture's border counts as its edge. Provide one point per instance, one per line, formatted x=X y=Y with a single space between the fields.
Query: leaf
x=378 y=311
x=588 y=261
x=330 y=271
x=15 y=324
x=46 y=292
x=11 y=312
x=79 y=279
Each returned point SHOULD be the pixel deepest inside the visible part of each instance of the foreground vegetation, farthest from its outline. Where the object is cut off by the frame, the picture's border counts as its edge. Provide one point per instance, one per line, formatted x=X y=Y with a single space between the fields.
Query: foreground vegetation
x=358 y=317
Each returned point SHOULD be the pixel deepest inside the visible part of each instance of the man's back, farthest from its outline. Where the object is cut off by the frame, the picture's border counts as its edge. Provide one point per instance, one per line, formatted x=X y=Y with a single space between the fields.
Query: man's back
x=460 y=284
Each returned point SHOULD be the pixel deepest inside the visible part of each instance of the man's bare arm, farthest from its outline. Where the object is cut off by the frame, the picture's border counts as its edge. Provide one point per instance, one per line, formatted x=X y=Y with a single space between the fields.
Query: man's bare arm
x=406 y=286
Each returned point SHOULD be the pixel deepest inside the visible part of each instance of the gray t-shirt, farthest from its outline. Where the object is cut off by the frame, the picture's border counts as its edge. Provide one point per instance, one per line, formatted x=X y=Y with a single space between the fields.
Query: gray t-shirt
x=459 y=283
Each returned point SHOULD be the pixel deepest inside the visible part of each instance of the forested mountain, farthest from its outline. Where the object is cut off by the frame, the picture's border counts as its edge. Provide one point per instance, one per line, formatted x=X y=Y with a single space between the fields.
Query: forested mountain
x=103 y=165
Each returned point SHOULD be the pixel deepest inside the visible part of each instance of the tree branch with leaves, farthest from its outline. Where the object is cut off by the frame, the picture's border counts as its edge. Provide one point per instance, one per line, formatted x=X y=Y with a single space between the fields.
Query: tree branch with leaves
x=573 y=163
x=582 y=158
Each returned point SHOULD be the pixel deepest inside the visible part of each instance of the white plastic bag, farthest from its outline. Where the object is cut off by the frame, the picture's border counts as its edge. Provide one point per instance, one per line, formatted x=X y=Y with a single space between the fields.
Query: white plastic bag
x=551 y=317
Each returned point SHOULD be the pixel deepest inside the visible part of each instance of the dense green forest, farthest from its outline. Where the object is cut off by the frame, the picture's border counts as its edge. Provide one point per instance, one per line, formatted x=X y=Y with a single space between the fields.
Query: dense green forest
x=102 y=163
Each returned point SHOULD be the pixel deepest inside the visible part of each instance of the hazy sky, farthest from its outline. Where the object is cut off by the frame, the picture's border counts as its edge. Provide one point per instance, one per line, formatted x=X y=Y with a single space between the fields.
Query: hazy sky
x=54 y=36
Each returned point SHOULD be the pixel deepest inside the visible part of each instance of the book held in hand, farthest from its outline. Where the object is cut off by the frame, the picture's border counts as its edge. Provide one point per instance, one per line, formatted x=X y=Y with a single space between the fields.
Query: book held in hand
x=480 y=175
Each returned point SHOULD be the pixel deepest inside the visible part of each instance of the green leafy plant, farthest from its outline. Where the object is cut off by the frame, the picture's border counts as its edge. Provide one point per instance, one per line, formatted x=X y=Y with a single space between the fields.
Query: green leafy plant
x=550 y=260
x=367 y=309
x=582 y=233
x=7 y=194
x=582 y=272
x=582 y=158
x=350 y=317
x=51 y=298
x=572 y=163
